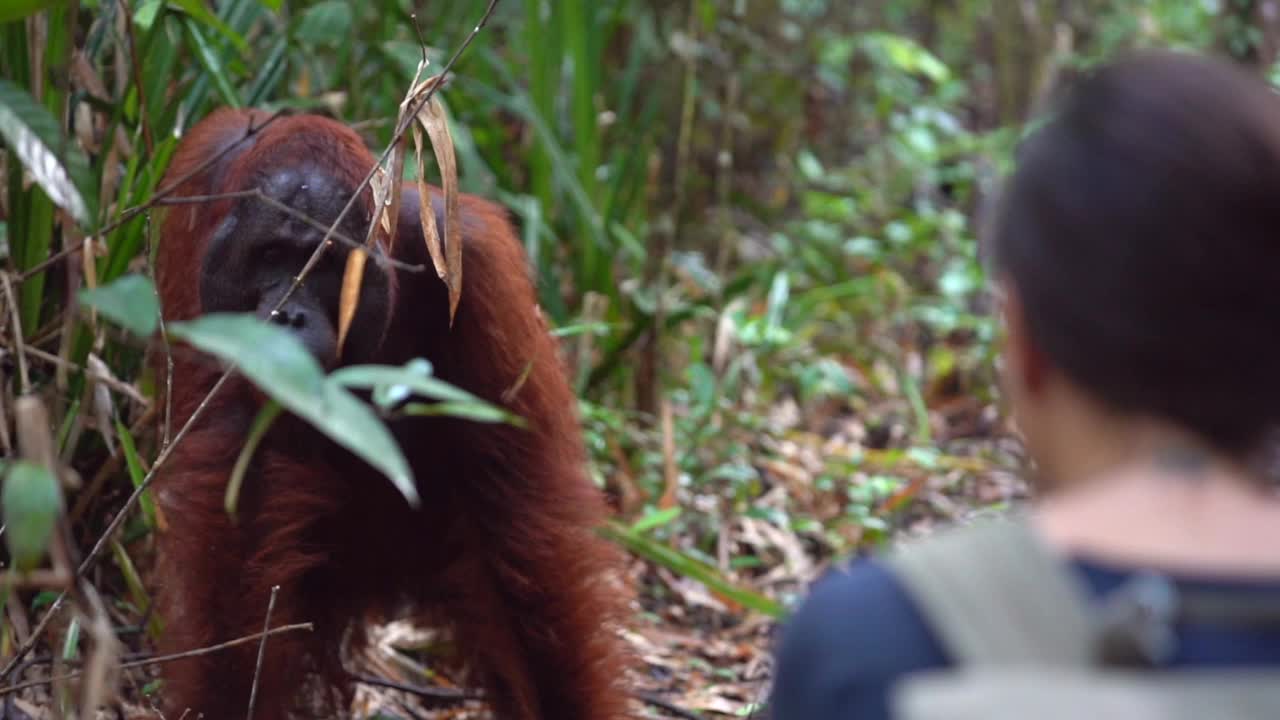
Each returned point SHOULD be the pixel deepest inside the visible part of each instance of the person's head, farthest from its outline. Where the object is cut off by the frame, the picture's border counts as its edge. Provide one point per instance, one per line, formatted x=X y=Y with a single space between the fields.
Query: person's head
x=1137 y=246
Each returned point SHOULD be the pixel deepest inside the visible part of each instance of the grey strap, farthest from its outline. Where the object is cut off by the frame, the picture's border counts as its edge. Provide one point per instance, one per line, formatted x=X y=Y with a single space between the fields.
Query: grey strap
x=995 y=594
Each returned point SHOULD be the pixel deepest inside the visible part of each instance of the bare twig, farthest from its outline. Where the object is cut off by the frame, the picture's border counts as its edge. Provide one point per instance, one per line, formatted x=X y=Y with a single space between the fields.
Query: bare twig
x=121 y=387
x=161 y=659
x=442 y=694
x=262 y=651
x=18 y=346
x=167 y=451
x=256 y=193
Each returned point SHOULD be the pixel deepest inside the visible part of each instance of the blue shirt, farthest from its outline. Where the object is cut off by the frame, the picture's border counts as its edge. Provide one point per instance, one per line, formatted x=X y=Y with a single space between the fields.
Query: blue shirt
x=858 y=632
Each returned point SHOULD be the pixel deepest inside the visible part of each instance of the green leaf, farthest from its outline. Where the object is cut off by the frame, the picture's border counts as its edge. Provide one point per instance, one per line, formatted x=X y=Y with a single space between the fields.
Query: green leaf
x=209 y=59
x=57 y=166
x=656 y=518
x=392 y=385
x=325 y=23
x=465 y=411
x=261 y=424
x=17 y=9
x=129 y=301
x=136 y=473
x=275 y=361
x=29 y=507
x=691 y=568
x=198 y=10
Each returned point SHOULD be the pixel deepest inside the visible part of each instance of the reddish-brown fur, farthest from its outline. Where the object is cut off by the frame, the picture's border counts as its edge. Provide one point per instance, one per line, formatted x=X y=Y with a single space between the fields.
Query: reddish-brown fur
x=503 y=547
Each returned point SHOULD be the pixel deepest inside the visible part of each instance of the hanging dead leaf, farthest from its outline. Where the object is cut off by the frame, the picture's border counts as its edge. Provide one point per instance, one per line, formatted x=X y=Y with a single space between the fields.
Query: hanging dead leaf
x=433 y=120
x=389 y=208
x=427 y=213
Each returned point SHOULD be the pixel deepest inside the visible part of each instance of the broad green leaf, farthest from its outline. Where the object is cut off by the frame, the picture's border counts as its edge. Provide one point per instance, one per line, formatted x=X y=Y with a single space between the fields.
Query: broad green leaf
x=59 y=167
x=17 y=9
x=268 y=355
x=325 y=23
x=275 y=361
x=129 y=301
x=29 y=506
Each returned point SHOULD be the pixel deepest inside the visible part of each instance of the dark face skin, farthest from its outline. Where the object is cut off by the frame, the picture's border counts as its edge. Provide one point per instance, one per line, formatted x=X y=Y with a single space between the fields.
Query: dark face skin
x=257 y=251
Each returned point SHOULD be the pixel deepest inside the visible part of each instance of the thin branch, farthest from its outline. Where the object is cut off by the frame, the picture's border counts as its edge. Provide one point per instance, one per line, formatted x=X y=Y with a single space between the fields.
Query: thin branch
x=155 y=199
x=136 y=67
x=123 y=388
x=423 y=691
x=262 y=651
x=256 y=193
x=160 y=659
x=167 y=451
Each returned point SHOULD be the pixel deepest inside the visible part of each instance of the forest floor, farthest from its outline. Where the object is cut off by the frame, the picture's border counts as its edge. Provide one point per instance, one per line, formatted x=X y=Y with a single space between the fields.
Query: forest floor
x=701 y=654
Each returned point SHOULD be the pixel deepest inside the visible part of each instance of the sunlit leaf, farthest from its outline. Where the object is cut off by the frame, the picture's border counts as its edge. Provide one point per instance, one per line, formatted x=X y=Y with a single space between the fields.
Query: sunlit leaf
x=656 y=518
x=58 y=167
x=29 y=507
x=348 y=300
x=129 y=301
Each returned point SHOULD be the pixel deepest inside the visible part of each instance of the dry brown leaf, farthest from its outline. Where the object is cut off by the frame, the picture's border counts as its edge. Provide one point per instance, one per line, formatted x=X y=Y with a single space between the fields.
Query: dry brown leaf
x=433 y=120
x=389 y=208
x=427 y=213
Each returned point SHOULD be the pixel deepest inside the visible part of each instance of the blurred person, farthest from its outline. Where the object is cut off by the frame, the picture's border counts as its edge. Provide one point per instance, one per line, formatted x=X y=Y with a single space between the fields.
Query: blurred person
x=1136 y=253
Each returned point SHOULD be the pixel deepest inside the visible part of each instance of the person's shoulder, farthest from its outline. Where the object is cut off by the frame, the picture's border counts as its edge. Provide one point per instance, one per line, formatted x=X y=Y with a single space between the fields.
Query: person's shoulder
x=852 y=637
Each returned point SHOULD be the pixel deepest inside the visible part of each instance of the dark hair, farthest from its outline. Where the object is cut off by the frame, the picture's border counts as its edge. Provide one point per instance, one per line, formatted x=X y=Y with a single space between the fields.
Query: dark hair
x=1142 y=232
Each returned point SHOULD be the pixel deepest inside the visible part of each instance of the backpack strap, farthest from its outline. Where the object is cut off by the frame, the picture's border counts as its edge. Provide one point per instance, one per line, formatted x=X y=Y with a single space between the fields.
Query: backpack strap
x=996 y=594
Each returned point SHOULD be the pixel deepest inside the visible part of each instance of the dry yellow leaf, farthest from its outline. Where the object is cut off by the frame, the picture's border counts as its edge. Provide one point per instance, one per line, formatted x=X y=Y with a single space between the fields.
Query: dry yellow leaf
x=352 y=279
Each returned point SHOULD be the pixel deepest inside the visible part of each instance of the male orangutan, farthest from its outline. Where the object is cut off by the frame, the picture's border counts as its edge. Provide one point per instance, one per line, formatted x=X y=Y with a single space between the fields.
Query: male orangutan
x=502 y=547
